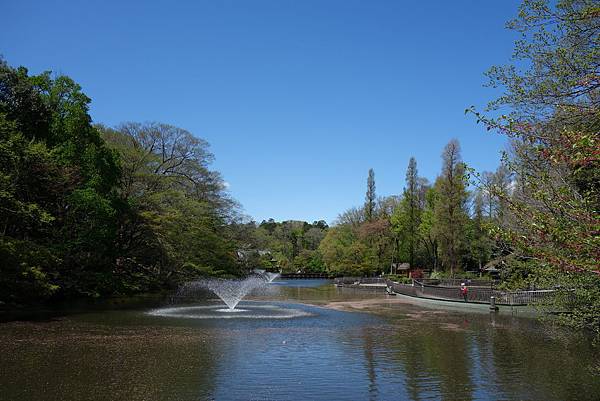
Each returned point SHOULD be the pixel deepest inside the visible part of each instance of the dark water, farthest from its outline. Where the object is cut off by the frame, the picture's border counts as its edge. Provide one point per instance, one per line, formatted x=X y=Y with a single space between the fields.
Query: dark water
x=394 y=352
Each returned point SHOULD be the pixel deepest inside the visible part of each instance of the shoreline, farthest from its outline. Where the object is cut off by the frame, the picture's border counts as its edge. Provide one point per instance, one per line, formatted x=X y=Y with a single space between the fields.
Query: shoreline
x=370 y=305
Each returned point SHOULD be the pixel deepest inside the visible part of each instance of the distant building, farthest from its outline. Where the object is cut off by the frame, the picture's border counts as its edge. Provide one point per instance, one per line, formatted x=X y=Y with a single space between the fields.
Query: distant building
x=400 y=268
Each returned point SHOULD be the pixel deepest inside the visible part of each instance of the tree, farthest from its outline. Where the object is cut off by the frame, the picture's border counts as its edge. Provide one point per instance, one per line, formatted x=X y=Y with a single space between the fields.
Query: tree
x=480 y=243
x=179 y=207
x=57 y=184
x=387 y=205
x=377 y=236
x=558 y=54
x=426 y=229
x=294 y=244
x=312 y=237
x=370 y=197
x=551 y=214
x=343 y=254
x=450 y=211
x=407 y=216
x=354 y=216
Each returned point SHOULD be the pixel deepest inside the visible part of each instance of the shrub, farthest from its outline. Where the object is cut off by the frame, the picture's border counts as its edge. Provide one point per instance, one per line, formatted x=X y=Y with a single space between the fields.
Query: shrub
x=417 y=273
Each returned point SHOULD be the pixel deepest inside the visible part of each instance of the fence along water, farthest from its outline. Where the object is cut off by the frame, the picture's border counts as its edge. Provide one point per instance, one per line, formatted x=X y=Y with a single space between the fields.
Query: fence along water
x=479 y=291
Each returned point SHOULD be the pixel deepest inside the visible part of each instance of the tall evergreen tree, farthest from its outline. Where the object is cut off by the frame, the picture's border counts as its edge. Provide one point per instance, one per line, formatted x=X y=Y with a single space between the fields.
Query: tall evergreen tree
x=411 y=194
x=370 y=197
x=407 y=216
x=450 y=212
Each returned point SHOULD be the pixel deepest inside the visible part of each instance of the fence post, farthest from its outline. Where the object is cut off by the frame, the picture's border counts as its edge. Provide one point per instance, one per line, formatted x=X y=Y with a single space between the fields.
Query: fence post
x=493 y=306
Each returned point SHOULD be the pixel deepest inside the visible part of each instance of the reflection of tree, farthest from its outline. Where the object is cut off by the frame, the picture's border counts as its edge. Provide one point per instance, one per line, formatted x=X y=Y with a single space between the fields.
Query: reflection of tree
x=370 y=362
x=69 y=361
x=434 y=354
x=539 y=367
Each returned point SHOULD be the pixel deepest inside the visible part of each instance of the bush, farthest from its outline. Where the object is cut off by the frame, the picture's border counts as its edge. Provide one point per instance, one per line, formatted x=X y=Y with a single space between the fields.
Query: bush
x=399 y=279
x=438 y=275
x=28 y=272
x=417 y=273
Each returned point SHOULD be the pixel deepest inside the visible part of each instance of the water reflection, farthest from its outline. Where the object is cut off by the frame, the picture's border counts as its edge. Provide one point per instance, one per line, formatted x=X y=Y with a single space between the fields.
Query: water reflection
x=63 y=360
x=400 y=352
x=369 y=351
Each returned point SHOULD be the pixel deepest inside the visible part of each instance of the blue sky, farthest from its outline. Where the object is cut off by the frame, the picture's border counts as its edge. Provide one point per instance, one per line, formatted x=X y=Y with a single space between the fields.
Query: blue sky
x=298 y=98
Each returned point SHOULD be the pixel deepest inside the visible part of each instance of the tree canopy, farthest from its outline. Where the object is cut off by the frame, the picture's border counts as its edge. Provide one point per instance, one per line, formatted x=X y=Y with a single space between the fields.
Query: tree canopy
x=92 y=211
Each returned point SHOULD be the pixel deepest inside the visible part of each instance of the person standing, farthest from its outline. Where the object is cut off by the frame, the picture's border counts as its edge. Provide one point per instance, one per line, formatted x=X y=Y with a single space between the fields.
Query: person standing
x=464 y=291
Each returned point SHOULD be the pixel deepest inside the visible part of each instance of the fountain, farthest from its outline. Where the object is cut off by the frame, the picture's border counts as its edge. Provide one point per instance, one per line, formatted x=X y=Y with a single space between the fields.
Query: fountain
x=267 y=275
x=271 y=276
x=231 y=292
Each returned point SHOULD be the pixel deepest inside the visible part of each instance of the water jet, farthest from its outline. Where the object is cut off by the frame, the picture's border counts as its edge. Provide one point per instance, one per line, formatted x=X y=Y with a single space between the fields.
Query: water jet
x=231 y=292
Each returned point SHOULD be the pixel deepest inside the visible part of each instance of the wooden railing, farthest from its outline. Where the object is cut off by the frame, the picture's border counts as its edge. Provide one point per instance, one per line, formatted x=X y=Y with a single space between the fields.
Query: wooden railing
x=480 y=294
x=455 y=282
x=477 y=293
x=289 y=276
x=404 y=289
x=358 y=280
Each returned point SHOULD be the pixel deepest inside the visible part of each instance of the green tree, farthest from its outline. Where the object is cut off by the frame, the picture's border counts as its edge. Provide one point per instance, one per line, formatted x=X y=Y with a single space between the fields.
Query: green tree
x=80 y=218
x=294 y=244
x=426 y=229
x=343 y=254
x=480 y=242
x=378 y=238
x=57 y=184
x=370 y=197
x=450 y=208
x=555 y=60
x=551 y=220
x=179 y=209
x=407 y=217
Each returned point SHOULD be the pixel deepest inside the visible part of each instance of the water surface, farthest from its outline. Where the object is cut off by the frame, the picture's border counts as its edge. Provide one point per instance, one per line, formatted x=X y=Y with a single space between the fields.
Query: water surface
x=392 y=352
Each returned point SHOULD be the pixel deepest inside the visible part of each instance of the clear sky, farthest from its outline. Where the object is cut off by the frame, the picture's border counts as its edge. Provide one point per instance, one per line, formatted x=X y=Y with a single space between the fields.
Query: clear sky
x=298 y=98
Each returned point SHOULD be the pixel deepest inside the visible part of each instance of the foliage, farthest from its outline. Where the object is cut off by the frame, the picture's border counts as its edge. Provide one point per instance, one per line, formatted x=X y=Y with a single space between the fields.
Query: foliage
x=480 y=248
x=424 y=225
x=57 y=182
x=460 y=275
x=407 y=217
x=344 y=254
x=357 y=246
x=370 y=196
x=399 y=279
x=450 y=211
x=28 y=271
x=91 y=211
x=426 y=230
x=551 y=221
x=180 y=208
x=290 y=245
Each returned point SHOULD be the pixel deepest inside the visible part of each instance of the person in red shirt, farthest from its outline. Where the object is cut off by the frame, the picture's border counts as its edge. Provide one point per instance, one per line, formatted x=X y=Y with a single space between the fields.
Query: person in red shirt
x=464 y=291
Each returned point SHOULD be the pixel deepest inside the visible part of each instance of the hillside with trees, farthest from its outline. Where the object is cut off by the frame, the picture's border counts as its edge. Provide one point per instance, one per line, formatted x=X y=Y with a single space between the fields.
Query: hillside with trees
x=92 y=211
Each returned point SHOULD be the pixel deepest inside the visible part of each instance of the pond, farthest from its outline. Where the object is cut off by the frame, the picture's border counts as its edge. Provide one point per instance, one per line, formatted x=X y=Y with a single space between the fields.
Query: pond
x=308 y=340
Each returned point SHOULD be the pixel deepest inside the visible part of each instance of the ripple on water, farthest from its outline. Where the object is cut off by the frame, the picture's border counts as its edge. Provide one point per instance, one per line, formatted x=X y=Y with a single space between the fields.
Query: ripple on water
x=218 y=312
